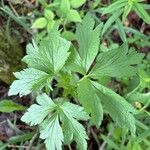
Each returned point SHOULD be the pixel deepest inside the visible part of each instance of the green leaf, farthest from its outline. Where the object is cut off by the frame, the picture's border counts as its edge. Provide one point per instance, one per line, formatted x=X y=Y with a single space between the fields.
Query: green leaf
x=19 y=20
x=143 y=135
x=51 y=131
x=21 y=138
x=114 y=6
x=118 y=108
x=67 y=130
x=90 y=101
x=48 y=14
x=74 y=62
x=77 y=3
x=64 y=7
x=110 y=142
x=68 y=35
x=111 y=20
x=8 y=106
x=121 y=30
x=73 y=16
x=126 y=11
x=144 y=79
x=37 y=112
x=139 y=97
x=75 y=129
x=117 y=63
x=29 y=80
x=88 y=39
x=50 y=25
x=39 y=23
x=141 y=12
x=75 y=111
x=2 y=146
x=51 y=54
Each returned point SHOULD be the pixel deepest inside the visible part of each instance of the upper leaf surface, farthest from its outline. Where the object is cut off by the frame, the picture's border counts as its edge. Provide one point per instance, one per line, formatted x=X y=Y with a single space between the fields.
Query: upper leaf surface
x=75 y=111
x=90 y=101
x=117 y=63
x=44 y=60
x=28 y=80
x=51 y=131
x=114 y=6
x=74 y=62
x=51 y=54
x=74 y=128
x=37 y=112
x=118 y=108
x=88 y=39
x=10 y=106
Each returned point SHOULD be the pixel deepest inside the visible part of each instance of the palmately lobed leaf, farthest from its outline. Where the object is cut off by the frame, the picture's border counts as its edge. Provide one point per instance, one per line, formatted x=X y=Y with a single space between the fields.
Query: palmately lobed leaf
x=51 y=131
x=36 y=113
x=90 y=101
x=73 y=129
x=54 y=118
x=28 y=80
x=88 y=40
x=74 y=62
x=117 y=63
x=51 y=54
x=118 y=108
x=44 y=61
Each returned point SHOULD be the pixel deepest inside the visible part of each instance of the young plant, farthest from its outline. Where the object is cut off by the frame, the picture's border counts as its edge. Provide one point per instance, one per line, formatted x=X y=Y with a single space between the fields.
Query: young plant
x=53 y=57
x=65 y=10
x=124 y=7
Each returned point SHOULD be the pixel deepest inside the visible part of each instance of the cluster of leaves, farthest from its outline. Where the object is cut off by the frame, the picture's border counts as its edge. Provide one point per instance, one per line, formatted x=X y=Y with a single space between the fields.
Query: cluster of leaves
x=64 y=9
x=123 y=7
x=51 y=58
x=118 y=138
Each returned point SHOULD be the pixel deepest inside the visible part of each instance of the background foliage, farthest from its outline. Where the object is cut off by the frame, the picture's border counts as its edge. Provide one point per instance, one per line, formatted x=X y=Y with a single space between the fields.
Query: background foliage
x=105 y=49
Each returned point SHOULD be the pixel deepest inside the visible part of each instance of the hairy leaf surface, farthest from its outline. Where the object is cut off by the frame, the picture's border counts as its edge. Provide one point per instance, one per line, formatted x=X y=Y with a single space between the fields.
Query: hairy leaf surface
x=29 y=80
x=90 y=101
x=51 y=54
x=118 y=108
x=88 y=39
x=37 y=112
x=117 y=63
x=74 y=129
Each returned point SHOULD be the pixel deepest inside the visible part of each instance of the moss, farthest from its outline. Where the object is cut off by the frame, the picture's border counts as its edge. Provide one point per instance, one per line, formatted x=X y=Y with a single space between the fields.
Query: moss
x=10 y=57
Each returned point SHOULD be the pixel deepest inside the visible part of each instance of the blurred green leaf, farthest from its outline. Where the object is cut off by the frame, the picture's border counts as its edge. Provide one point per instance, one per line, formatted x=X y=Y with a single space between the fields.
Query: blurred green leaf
x=77 y=3
x=21 y=138
x=9 y=106
x=64 y=7
x=143 y=135
x=48 y=14
x=141 y=12
x=73 y=16
x=110 y=142
x=39 y=23
x=68 y=35
x=50 y=25
x=144 y=79
x=121 y=30
x=111 y=20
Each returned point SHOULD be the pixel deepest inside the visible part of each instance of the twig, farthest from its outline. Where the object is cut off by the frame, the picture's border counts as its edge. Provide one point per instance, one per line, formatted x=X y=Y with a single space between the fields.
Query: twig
x=31 y=141
x=16 y=146
x=104 y=143
x=13 y=9
x=69 y=147
x=95 y=137
x=29 y=4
